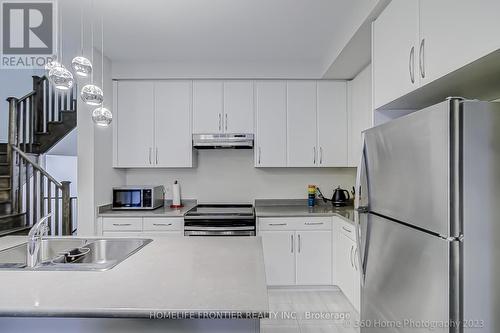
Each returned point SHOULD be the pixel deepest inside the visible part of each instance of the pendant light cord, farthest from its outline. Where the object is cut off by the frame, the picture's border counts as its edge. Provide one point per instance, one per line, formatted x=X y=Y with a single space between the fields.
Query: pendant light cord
x=102 y=57
x=81 y=28
x=60 y=30
x=92 y=38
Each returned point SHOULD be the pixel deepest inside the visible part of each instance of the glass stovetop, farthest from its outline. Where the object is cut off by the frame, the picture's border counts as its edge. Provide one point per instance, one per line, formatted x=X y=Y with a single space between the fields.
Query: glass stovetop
x=221 y=209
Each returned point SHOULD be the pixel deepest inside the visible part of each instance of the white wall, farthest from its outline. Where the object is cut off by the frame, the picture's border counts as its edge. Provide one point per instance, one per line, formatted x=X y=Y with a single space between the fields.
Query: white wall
x=230 y=176
x=63 y=168
x=13 y=83
x=360 y=111
x=237 y=70
x=96 y=177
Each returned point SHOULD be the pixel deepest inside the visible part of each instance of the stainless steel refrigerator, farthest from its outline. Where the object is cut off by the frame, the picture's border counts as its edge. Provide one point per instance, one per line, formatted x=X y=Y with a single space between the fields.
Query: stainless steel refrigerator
x=429 y=221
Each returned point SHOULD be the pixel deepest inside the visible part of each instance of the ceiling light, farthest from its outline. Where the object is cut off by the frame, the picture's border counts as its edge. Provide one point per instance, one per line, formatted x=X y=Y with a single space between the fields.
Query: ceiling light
x=92 y=94
x=61 y=78
x=102 y=117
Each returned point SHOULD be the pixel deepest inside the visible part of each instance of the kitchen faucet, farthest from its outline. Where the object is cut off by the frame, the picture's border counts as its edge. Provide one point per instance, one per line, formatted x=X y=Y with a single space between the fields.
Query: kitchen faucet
x=37 y=232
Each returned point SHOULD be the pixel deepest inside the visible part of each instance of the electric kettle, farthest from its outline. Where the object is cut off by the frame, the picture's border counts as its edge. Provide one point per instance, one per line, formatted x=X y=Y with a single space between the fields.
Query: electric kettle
x=340 y=197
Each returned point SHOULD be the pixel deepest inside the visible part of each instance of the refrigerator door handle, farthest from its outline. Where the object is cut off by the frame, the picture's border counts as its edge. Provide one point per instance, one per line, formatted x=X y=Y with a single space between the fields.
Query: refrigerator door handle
x=359 y=257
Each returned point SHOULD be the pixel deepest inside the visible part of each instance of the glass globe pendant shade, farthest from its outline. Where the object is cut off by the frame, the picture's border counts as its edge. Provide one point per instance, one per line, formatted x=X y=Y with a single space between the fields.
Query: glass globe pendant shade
x=102 y=117
x=92 y=94
x=82 y=66
x=61 y=78
x=50 y=65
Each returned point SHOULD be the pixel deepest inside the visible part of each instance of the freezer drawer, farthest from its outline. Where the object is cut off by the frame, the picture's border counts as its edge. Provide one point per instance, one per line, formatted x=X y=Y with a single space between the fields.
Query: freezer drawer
x=408 y=168
x=406 y=281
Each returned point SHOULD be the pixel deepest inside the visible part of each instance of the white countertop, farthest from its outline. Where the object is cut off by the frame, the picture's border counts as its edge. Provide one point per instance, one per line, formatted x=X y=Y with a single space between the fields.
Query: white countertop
x=164 y=211
x=171 y=274
x=347 y=212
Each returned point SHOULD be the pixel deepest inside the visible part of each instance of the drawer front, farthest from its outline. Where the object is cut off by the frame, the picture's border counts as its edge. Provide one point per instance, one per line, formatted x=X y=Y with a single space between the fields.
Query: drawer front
x=276 y=223
x=346 y=228
x=163 y=224
x=122 y=224
x=313 y=223
x=296 y=223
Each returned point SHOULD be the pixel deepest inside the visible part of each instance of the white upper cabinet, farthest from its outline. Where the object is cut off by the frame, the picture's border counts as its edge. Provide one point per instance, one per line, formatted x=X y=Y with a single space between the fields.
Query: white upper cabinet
x=133 y=133
x=173 y=139
x=419 y=41
x=270 y=146
x=395 y=51
x=455 y=33
x=301 y=124
x=153 y=124
x=208 y=106
x=332 y=124
x=238 y=107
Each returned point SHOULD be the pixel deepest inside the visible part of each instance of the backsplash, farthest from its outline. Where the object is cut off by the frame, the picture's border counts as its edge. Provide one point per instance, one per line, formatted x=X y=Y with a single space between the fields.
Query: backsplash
x=230 y=176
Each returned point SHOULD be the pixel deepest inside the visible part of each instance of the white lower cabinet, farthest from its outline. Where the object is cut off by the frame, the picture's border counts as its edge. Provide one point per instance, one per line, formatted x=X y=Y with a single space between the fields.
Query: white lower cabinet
x=279 y=257
x=297 y=250
x=142 y=227
x=314 y=260
x=346 y=263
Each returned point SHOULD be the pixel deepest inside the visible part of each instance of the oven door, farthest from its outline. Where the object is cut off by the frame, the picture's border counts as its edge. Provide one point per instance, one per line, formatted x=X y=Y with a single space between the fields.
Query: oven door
x=204 y=231
x=219 y=227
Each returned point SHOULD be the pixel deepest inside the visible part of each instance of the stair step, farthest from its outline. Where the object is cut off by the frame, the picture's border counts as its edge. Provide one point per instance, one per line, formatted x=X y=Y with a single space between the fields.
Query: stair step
x=5 y=207
x=3 y=147
x=5 y=194
x=4 y=170
x=4 y=182
x=21 y=231
x=12 y=223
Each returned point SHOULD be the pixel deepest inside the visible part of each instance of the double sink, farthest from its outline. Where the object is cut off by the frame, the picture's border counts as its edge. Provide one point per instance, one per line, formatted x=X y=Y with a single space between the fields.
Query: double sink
x=73 y=254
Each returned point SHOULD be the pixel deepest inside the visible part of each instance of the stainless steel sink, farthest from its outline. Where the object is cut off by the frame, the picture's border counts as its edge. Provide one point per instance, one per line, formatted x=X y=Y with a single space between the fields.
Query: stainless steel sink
x=58 y=254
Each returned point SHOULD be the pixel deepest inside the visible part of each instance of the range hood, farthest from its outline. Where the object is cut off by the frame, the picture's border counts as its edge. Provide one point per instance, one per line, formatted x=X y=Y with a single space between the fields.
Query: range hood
x=223 y=141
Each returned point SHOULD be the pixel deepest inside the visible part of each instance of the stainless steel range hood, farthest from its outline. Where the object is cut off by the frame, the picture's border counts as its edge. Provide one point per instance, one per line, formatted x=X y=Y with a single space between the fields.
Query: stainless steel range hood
x=223 y=141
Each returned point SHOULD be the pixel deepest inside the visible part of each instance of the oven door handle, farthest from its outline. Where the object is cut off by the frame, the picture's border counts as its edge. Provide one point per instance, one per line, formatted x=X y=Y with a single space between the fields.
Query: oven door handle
x=219 y=233
x=218 y=217
x=189 y=228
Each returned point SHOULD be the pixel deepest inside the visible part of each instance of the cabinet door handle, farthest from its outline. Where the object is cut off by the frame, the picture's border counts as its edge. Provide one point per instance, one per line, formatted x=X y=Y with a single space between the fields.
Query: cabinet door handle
x=277 y=224
x=225 y=123
x=320 y=155
x=220 y=125
x=314 y=155
x=150 y=149
x=354 y=258
x=350 y=255
x=156 y=155
x=313 y=223
x=162 y=224
x=300 y=242
x=421 y=58
x=291 y=242
x=122 y=224
x=411 y=64
x=259 y=154
x=348 y=230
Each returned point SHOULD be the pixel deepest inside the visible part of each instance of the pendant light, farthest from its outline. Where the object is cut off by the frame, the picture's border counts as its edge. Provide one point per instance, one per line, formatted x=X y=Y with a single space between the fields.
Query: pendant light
x=59 y=75
x=102 y=116
x=81 y=65
x=92 y=94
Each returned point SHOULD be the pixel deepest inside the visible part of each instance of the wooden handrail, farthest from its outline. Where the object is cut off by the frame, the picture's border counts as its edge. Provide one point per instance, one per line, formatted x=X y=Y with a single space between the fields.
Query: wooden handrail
x=36 y=166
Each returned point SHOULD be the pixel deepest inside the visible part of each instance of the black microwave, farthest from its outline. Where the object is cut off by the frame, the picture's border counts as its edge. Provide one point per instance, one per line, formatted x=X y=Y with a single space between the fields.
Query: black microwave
x=138 y=197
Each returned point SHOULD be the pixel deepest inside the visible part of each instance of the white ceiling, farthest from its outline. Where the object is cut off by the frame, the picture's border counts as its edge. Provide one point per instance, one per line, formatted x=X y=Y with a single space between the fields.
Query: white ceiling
x=307 y=32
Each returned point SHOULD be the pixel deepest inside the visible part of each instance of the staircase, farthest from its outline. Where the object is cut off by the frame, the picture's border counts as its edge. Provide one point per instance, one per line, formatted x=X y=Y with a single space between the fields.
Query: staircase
x=37 y=121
